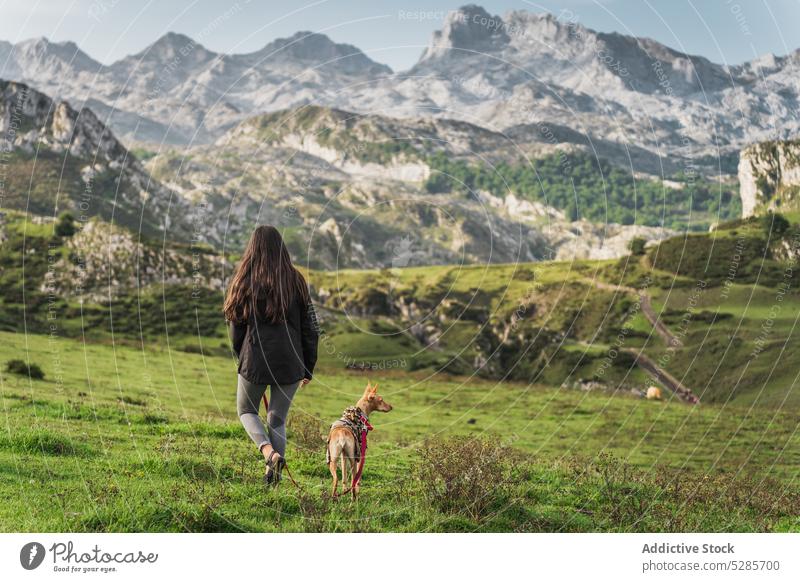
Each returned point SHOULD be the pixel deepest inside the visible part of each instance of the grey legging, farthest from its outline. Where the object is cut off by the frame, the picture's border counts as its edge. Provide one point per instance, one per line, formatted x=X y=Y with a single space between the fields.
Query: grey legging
x=248 y=397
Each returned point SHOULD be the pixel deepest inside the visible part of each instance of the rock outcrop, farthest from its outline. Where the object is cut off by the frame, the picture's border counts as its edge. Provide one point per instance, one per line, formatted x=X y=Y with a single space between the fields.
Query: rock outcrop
x=351 y=190
x=769 y=177
x=57 y=158
x=104 y=261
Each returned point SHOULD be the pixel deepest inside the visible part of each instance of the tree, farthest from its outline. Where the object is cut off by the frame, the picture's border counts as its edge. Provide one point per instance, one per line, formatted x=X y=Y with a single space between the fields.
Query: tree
x=636 y=246
x=66 y=225
x=775 y=225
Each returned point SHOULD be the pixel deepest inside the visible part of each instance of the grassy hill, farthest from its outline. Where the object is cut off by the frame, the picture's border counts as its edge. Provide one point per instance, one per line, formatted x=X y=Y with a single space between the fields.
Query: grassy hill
x=728 y=296
x=533 y=365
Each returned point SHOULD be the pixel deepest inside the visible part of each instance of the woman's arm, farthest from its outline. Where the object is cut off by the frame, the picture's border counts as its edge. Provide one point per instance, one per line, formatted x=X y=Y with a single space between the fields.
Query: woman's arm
x=309 y=332
x=238 y=331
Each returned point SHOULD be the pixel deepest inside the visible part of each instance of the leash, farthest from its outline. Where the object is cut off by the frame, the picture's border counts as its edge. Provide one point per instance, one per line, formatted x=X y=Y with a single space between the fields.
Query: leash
x=361 y=461
x=285 y=464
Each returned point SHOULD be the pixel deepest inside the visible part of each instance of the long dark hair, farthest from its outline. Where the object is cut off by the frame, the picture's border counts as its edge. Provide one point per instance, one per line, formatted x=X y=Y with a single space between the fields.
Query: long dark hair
x=265 y=280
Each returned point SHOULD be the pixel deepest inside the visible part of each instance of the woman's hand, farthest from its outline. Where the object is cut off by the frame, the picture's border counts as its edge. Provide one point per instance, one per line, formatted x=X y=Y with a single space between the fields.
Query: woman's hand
x=305 y=381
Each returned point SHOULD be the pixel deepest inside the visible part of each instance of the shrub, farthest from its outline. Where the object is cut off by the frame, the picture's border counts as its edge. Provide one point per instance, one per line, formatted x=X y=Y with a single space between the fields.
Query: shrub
x=66 y=225
x=305 y=431
x=192 y=349
x=315 y=511
x=132 y=401
x=775 y=225
x=33 y=371
x=155 y=419
x=523 y=274
x=669 y=500
x=463 y=474
x=636 y=246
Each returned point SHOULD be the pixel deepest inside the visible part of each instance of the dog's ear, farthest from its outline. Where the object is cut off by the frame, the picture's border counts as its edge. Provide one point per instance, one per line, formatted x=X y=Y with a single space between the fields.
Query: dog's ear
x=370 y=390
x=373 y=391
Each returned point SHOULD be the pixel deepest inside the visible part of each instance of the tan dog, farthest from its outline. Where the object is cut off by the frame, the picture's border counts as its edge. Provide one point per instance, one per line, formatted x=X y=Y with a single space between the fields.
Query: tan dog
x=342 y=444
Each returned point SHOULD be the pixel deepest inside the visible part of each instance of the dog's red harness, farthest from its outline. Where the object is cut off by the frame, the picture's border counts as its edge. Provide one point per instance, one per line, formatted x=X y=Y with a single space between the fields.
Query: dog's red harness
x=357 y=476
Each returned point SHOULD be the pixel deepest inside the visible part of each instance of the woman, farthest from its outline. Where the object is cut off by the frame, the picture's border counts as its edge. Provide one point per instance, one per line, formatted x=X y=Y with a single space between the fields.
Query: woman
x=274 y=333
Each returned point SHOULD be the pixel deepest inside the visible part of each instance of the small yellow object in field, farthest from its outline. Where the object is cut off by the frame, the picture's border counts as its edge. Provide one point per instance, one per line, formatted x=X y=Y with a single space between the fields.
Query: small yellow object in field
x=654 y=393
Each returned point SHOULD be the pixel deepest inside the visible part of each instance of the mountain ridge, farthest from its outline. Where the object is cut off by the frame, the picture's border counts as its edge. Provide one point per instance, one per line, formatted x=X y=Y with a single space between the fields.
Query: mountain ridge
x=493 y=71
x=57 y=158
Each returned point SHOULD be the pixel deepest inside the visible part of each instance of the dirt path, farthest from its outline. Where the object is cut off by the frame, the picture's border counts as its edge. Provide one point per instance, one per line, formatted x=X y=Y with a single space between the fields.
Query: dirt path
x=646 y=305
x=642 y=360
x=664 y=378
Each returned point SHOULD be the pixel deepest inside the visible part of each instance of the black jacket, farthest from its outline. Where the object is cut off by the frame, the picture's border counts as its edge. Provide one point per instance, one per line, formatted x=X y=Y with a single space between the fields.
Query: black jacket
x=277 y=353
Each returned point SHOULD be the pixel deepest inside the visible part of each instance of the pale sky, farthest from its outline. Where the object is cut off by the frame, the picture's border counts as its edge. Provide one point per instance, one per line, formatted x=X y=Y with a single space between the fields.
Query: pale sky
x=393 y=31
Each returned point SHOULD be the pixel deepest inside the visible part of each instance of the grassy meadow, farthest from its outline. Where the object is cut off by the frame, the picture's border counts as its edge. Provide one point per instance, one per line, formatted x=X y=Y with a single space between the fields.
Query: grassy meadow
x=127 y=438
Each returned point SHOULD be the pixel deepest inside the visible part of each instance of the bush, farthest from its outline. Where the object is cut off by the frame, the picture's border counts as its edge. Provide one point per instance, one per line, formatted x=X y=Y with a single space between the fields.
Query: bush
x=464 y=475
x=775 y=225
x=33 y=371
x=305 y=431
x=132 y=401
x=632 y=499
x=636 y=246
x=192 y=349
x=66 y=225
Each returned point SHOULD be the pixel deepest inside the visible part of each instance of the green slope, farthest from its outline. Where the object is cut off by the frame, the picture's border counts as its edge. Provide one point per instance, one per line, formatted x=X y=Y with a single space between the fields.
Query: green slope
x=576 y=324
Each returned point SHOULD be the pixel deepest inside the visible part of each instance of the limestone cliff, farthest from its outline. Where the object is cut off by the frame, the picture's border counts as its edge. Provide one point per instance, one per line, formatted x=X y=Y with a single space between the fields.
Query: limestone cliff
x=769 y=176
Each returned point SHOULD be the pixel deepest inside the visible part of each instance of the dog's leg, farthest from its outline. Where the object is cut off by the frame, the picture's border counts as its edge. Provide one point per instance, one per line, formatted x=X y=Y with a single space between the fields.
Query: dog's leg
x=332 y=467
x=334 y=451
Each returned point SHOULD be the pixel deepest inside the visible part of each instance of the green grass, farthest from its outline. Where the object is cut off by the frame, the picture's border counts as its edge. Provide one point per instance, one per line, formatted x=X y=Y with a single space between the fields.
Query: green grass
x=126 y=438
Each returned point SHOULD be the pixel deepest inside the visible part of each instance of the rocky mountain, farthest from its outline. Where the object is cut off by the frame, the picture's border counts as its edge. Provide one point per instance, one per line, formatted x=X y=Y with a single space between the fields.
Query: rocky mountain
x=535 y=68
x=769 y=177
x=179 y=92
x=114 y=262
x=56 y=158
x=513 y=73
x=352 y=190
